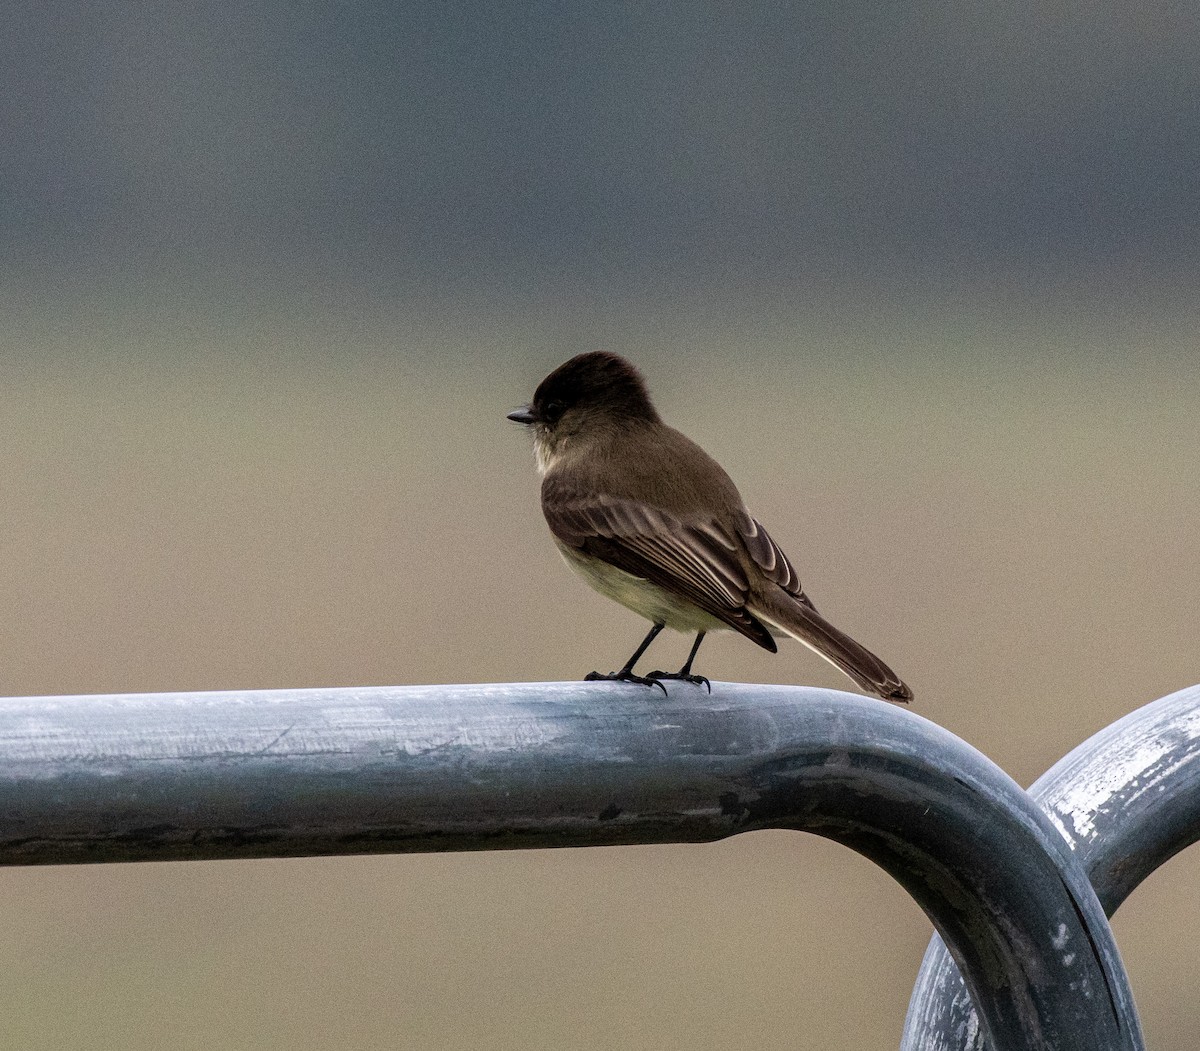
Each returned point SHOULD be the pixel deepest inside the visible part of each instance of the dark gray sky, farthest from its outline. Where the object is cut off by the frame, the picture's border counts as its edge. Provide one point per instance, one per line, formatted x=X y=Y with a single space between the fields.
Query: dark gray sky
x=704 y=144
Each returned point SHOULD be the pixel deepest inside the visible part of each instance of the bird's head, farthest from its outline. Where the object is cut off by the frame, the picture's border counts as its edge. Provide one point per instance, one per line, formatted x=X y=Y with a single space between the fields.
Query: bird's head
x=591 y=390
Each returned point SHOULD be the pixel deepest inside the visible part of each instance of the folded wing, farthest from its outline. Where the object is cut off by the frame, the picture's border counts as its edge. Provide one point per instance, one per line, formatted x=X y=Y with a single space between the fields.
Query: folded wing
x=697 y=562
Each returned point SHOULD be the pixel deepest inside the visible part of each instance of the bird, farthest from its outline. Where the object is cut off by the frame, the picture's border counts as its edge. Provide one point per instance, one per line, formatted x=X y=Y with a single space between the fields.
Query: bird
x=649 y=519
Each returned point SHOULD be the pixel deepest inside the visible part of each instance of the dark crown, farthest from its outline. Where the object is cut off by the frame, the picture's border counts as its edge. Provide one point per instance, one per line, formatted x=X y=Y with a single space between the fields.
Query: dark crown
x=596 y=379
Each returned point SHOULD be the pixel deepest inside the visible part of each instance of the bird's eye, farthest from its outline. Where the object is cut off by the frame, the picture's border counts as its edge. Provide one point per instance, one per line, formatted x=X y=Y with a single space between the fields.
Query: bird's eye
x=552 y=410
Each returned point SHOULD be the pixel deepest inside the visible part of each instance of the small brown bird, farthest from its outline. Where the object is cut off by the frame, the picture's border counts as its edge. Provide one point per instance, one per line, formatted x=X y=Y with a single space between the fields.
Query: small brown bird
x=649 y=519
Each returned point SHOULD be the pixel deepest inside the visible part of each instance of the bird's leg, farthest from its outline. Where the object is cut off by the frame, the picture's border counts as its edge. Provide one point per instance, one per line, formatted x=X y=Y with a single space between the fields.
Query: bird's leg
x=685 y=673
x=626 y=674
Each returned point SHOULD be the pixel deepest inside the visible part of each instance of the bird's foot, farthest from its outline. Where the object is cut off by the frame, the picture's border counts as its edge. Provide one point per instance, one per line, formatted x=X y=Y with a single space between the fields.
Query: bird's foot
x=698 y=680
x=625 y=675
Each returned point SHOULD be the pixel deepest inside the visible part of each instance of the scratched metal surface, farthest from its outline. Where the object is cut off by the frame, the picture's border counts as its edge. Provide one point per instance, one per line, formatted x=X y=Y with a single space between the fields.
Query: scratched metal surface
x=1126 y=801
x=278 y=773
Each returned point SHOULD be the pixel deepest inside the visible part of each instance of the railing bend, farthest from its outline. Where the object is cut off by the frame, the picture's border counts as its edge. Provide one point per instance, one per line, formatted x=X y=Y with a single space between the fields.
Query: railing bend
x=430 y=768
x=1127 y=800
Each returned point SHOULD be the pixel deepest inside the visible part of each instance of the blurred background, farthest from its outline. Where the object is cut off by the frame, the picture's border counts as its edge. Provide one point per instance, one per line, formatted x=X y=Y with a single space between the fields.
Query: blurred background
x=922 y=276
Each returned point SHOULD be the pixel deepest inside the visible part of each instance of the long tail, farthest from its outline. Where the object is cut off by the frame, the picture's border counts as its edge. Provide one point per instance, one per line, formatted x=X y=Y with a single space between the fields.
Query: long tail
x=806 y=625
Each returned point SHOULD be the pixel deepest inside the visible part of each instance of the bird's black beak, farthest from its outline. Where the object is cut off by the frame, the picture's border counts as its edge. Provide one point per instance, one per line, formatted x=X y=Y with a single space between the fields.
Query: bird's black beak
x=522 y=416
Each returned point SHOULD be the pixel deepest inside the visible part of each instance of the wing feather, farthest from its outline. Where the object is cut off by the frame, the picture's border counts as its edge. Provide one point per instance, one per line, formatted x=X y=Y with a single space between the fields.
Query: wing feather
x=696 y=562
x=769 y=556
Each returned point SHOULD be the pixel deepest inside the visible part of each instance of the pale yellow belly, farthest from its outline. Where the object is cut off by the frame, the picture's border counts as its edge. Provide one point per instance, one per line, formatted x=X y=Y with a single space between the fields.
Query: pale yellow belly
x=644 y=598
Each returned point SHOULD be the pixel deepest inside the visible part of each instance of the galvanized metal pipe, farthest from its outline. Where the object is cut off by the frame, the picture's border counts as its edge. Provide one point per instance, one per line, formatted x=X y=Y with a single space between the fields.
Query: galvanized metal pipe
x=279 y=773
x=1127 y=800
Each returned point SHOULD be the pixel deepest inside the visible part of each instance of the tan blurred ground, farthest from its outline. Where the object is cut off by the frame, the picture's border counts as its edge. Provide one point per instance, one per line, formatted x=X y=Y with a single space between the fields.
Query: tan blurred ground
x=1003 y=503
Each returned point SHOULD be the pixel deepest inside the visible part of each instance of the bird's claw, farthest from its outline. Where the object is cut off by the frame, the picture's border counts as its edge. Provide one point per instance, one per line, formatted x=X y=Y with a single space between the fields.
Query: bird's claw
x=698 y=680
x=625 y=676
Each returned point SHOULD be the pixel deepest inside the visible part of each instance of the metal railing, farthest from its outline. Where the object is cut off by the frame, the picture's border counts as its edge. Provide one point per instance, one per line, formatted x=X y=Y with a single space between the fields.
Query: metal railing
x=1126 y=801
x=278 y=773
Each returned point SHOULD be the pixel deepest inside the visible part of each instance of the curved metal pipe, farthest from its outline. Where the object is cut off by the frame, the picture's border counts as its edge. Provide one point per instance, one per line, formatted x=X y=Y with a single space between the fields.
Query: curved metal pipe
x=1127 y=800
x=426 y=768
